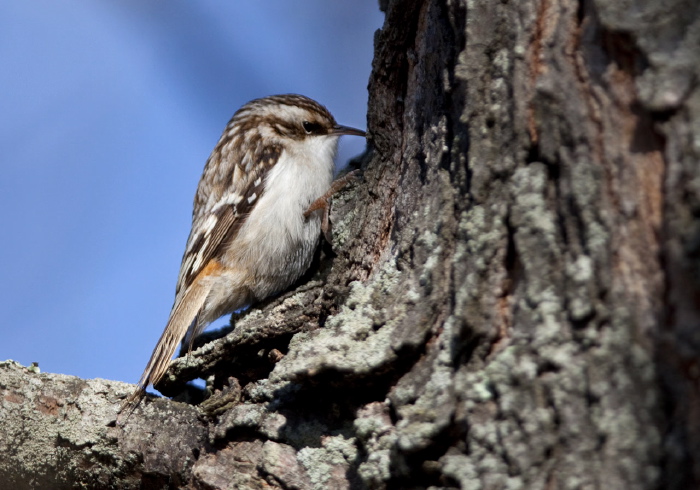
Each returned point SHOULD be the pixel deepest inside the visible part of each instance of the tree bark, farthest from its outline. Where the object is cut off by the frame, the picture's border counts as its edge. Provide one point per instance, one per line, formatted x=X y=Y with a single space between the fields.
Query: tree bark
x=512 y=301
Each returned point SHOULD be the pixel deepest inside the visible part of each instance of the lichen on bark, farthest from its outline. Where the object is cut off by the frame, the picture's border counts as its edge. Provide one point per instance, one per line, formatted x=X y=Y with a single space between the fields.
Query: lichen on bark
x=511 y=296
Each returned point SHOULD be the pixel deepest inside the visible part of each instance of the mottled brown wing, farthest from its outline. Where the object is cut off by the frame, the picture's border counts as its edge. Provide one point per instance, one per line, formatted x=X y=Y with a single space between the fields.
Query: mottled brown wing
x=218 y=226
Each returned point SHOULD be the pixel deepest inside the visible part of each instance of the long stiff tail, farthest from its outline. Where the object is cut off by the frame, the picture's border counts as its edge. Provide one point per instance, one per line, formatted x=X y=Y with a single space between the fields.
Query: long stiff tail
x=182 y=316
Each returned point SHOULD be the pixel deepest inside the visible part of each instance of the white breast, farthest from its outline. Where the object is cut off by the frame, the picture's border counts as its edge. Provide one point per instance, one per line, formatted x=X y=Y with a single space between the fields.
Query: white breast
x=276 y=244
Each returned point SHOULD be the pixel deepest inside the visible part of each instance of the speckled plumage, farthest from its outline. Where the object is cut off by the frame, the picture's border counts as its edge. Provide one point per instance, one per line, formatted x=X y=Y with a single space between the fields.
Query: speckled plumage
x=250 y=237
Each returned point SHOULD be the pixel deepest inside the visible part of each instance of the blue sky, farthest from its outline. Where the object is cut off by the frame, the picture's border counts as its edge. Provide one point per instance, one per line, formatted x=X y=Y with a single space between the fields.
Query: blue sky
x=109 y=112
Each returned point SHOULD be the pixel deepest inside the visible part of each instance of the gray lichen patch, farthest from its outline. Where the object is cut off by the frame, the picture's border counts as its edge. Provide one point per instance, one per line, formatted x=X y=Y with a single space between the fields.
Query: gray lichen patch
x=327 y=466
x=356 y=340
x=253 y=417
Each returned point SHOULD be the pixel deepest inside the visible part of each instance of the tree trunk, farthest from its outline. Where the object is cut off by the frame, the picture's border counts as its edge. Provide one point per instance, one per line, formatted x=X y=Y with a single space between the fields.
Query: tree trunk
x=513 y=300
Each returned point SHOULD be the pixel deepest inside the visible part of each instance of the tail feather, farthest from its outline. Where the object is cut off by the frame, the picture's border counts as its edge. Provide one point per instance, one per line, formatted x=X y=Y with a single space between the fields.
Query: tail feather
x=181 y=318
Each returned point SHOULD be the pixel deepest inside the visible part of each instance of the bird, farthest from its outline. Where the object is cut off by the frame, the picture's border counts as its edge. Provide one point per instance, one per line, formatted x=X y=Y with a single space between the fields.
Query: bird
x=258 y=213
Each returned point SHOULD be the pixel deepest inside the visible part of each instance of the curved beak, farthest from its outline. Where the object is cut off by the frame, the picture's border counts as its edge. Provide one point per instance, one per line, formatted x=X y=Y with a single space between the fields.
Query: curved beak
x=339 y=130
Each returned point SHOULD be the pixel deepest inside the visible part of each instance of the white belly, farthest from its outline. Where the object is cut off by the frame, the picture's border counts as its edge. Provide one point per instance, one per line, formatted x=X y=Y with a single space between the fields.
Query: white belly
x=277 y=242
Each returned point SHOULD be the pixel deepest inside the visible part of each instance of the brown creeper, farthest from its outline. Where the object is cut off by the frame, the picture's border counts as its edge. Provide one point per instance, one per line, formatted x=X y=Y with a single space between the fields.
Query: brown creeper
x=257 y=216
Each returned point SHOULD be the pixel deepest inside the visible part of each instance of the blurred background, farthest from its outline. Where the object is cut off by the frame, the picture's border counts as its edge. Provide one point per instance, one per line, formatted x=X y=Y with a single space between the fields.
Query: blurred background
x=109 y=112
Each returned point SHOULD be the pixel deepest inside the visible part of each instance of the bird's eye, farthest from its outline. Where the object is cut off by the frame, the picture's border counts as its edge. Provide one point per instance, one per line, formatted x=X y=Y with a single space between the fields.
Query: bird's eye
x=311 y=127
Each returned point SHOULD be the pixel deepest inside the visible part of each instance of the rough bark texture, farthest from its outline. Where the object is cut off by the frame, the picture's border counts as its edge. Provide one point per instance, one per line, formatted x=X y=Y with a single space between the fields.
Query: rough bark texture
x=514 y=300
